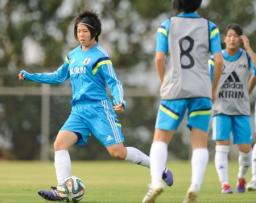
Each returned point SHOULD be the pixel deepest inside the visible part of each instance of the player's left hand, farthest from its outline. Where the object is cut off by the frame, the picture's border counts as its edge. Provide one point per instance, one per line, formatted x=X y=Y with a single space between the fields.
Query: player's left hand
x=119 y=108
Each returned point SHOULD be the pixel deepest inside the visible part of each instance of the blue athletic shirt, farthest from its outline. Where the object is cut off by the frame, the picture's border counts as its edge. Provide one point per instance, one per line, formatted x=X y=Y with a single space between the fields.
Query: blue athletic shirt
x=163 y=33
x=89 y=72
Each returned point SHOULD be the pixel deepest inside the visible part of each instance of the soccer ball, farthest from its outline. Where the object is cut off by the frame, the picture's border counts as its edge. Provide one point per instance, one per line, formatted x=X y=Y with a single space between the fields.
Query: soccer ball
x=75 y=188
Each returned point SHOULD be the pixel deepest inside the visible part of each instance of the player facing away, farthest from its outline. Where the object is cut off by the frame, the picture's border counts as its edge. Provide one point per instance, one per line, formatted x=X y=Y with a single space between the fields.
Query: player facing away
x=89 y=70
x=187 y=41
x=232 y=107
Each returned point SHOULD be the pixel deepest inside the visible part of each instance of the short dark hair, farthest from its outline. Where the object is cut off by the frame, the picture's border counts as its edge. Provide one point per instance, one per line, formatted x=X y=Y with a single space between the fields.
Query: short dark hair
x=91 y=21
x=235 y=27
x=186 y=6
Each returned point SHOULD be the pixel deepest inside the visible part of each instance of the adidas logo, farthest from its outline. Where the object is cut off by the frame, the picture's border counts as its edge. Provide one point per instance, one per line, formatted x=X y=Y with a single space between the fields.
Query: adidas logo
x=232 y=87
x=109 y=138
x=233 y=77
x=232 y=81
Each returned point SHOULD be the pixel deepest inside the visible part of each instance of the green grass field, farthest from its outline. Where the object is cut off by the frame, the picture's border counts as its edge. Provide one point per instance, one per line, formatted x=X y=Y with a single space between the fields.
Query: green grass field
x=112 y=182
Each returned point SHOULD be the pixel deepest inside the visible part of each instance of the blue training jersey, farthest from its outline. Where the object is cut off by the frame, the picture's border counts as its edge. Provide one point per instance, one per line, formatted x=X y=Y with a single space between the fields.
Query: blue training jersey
x=89 y=72
x=162 y=43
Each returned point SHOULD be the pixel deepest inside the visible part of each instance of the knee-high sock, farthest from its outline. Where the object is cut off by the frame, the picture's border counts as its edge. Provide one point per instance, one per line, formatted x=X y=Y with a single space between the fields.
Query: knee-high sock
x=244 y=162
x=199 y=163
x=136 y=156
x=221 y=162
x=254 y=163
x=158 y=159
x=62 y=165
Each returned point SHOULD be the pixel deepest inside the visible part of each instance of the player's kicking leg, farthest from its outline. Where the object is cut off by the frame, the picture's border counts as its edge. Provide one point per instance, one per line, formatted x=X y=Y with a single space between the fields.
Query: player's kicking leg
x=136 y=156
x=55 y=194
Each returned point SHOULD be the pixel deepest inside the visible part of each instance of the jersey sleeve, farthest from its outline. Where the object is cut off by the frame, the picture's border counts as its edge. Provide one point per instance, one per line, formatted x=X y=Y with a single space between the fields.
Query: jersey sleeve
x=56 y=77
x=215 y=39
x=162 y=37
x=105 y=68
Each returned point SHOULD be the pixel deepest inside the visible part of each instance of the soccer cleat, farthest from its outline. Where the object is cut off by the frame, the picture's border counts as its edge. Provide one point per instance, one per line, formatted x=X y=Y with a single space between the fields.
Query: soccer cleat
x=152 y=194
x=167 y=177
x=55 y=194
x=251 y=186
x=226 y=189
x=241 y=185
x=191 y=195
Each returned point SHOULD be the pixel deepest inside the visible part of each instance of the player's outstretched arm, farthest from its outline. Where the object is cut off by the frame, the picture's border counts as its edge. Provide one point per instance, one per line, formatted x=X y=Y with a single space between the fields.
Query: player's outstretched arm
x=56 y=77
x=218 y=66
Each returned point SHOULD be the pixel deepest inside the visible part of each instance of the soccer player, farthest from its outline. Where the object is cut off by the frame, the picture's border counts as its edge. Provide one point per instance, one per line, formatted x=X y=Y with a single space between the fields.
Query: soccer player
x=90 y=71
x=232 y=107
x=187 y=40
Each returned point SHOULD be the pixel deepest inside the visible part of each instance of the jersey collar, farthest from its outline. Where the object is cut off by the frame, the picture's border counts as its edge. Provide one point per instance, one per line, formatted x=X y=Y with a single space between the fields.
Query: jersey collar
x=189 y=15
x=231 y=58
